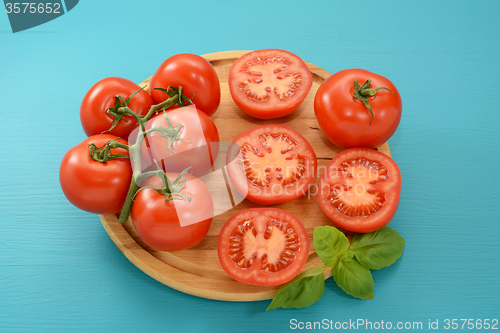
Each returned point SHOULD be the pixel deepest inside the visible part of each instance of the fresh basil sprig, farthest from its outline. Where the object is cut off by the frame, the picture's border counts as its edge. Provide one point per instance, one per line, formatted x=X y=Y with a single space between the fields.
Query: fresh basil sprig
x=350 y=263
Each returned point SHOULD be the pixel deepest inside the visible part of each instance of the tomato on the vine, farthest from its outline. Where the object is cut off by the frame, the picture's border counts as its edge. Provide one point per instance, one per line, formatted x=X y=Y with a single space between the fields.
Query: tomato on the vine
x=178 y=223
x=94 y=186
x=356 y=108
x=360 y=190
x=263 y=246
x=271 y=164
x=190 y=139
x=101 y=97
x=194 y=74
x=270 y=83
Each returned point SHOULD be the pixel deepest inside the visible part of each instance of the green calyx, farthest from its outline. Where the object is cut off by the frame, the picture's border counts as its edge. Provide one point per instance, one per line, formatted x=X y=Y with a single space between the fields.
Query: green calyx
x=180 y=98
x=366 y=94
x=171 y=190
x=103 y=154
x=121 y=109
x=170 y=132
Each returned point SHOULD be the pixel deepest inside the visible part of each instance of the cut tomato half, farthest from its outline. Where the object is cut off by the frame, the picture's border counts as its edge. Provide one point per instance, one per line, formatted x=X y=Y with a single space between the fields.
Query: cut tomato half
x=270 y=83
x=263 y=246
x=360 y=190
x=273 y=164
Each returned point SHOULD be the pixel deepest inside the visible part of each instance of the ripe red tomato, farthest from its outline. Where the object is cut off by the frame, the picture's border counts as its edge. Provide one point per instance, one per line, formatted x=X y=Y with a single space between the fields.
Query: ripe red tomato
x=92 y=186
x=346 y=121
x=268 y=84
x=194 y=74
x=360 y=190
x=101 y=97
x=263 y=246
x=271 y=164
x=196 y=145
x=172 y=225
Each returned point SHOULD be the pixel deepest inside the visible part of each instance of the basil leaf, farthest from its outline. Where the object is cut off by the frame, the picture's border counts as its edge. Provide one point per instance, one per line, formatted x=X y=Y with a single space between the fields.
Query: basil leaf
x=378 y=249
x=305 y=289
x=354 y=279
x=330 y=243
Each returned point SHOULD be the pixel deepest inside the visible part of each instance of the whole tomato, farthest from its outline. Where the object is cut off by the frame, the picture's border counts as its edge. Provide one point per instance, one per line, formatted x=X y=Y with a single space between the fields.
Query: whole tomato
x=191 y=140
x=93 y=186
x=346 y=120
x=173 y=225
x=100 y=98
x=194 y=74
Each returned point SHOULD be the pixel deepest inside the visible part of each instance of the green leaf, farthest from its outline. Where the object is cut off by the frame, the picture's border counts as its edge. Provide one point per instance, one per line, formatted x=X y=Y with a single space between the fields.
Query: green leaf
x=330 y=243
x=378 y=249
x=354 y=279
x=305 y=289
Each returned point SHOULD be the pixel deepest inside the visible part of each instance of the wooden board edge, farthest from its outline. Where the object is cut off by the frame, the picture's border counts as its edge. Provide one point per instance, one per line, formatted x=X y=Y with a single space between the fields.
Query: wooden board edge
x=155 y=268
x=385 y=149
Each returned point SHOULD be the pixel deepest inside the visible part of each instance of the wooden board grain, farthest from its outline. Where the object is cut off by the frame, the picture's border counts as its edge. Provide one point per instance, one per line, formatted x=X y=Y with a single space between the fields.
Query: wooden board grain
x=197 y=271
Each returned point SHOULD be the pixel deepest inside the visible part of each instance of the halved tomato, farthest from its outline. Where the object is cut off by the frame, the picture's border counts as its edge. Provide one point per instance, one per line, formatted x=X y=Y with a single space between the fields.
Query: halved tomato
x=263 y=246
x=273 y=164
x=270 y=83
x=360 y=190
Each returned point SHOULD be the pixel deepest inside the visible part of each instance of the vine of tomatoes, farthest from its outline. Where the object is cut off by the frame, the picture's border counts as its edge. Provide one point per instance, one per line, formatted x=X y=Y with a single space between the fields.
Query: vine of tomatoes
x=106 y=174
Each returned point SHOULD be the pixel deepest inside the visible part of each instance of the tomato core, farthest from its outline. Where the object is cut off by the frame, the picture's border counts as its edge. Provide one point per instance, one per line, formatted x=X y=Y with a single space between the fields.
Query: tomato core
x=360 y=190
x=358 y=194
x=273 y=161
x=272 y=244
x=269 y=76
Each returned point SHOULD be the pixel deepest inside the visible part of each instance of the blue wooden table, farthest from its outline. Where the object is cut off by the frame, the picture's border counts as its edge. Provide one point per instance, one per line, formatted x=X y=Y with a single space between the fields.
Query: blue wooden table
x=59 y=271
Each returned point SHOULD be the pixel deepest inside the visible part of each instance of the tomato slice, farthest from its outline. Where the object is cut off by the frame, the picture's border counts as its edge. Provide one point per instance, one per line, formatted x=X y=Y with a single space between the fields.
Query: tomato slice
x=263 y=246
x=360 y=190
x=270 y=83
x=273 y=164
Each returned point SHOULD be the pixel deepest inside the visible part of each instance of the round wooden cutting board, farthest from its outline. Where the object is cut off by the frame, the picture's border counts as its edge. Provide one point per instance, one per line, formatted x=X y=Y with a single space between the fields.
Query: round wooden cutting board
x=197 y=271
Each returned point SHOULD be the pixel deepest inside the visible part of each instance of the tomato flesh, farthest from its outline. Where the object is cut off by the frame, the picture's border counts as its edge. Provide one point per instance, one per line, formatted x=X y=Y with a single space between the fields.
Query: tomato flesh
x=263 y=246
x=360 y=190
x=275 y=164
x=270 y=83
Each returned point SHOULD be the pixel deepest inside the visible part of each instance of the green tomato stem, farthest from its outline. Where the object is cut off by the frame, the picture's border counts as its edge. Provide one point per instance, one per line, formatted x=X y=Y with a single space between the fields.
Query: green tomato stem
x=366 y=94
x=102 y=154
x=135 y=154
x=127 y=205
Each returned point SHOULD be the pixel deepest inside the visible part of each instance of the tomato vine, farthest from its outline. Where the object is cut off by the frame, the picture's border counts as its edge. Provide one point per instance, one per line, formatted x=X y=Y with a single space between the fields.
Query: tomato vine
x=103 y=154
